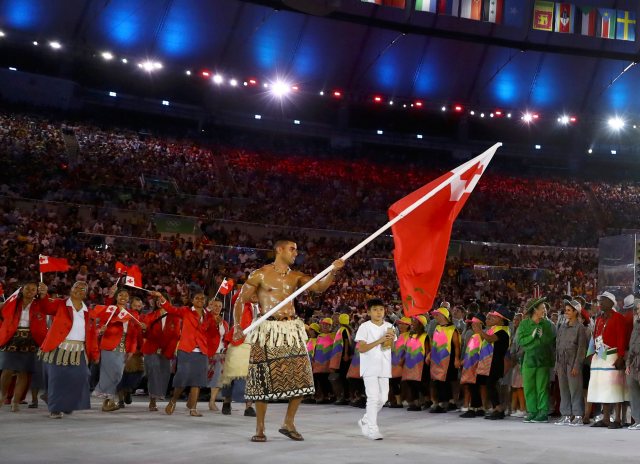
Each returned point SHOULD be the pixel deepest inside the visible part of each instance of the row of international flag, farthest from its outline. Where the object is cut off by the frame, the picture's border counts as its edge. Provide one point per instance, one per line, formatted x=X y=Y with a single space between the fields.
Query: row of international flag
x=607 y=23
x=492 y=11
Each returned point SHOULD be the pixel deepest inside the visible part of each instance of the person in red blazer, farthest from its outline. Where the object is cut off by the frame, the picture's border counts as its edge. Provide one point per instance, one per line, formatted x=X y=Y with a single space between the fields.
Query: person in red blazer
x=71 y=340
x=23 y=327
x=119 y=331
x=159 y=346
x=217 y=347
x=193 y=350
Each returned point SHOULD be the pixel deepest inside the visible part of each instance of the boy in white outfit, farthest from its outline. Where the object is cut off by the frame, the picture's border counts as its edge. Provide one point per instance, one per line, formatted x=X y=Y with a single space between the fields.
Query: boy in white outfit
x=375 y=338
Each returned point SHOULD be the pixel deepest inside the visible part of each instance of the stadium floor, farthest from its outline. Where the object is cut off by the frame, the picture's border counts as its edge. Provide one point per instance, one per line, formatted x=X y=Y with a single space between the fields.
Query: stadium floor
x=135 y=435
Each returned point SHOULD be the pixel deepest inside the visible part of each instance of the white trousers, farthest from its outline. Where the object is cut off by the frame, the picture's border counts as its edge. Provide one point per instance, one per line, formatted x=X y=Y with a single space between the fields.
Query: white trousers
x=377 y=390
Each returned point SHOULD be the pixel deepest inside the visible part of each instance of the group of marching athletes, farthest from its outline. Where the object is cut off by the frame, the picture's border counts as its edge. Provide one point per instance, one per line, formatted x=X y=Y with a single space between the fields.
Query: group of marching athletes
x=422 y=361
x=62 y=337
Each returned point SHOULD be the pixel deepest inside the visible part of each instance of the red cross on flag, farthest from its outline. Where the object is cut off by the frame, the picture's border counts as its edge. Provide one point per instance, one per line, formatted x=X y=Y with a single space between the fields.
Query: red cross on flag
x=50 y=264
x=422 y=237
x=134 y=276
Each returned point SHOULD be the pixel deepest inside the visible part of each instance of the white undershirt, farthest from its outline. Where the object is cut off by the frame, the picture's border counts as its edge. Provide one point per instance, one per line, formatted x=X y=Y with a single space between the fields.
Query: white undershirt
x=222 y=332
x=77 y=332
x=24 y=317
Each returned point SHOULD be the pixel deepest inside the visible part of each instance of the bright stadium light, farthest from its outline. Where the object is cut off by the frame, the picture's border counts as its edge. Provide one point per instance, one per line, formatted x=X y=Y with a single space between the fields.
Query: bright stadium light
x=564 y=119
x=124 y=60
x=279 y=89
x=590 y=150
x=55 y=45
x=527 y=117
x=614 y=152
x=616 y=123
x=233 y=82
x=150 y=66
x=218 y=79
x=107 y=56
x=113 y=94
x=165 y=102
x=35 y=42
x=2 y=34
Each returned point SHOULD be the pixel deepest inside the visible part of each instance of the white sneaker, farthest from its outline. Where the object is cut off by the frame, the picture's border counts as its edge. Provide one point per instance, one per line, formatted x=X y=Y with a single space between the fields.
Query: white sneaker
x=374 y=433
x=635 y=426
x=598 y=418
x=519 y=414
x=565 y=420
x=364 y=426
x=463 y=409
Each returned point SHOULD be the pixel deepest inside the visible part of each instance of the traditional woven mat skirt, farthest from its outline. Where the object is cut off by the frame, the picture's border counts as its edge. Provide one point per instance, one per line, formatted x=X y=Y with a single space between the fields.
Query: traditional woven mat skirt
x=607 y=384
x=111 y=370
x=158 y=370
x=214 y=371
x=236 y=364
x=279 y=366
x=66 y=377
x=191 y=370
x=19 y=354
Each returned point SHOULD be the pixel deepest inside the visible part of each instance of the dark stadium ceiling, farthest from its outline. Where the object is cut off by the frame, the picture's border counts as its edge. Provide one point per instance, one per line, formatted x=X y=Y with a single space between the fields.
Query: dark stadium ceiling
x=356 y=47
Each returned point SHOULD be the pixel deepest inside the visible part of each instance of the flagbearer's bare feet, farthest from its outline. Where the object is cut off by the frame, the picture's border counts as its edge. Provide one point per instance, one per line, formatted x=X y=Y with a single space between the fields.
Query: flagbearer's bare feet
x=212 y=406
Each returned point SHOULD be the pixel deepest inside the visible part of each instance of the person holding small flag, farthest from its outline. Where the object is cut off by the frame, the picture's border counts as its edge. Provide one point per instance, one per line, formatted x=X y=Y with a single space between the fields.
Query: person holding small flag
x=23 y=327
x=71 y=342
x=193 y=350
x=119 y=330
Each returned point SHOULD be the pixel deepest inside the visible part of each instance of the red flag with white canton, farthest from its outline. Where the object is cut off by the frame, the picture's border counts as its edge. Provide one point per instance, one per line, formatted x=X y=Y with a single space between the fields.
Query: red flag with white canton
x=422 y=237
x=50 y=264
x=134 y=276
x=226 y=286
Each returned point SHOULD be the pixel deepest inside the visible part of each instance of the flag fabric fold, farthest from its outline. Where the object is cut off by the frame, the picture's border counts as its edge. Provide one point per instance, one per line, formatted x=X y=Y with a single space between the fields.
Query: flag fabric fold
x=134 y=276
x=226 y=286
x=422 y=237
x=51 y=264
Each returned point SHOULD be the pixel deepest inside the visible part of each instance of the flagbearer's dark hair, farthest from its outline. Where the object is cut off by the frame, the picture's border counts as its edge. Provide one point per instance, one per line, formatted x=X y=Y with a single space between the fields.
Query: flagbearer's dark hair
x=282 y=242
x=374 y=302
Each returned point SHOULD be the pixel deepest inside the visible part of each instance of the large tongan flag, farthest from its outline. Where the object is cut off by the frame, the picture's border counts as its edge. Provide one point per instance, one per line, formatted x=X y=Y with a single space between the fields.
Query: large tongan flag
x=471 y=9
x=626 y=25
x=51 y=264
x=422 y=237
x=589 y=20
x=543 y=15
x=426 y=5
x=607 y=23
x=493 y=11
x=565 y=17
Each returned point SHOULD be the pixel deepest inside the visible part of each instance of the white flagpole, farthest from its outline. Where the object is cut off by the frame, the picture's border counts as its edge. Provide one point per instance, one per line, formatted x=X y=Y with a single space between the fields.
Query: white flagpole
x=221 y=284
x=487 y=154
x=139 y=288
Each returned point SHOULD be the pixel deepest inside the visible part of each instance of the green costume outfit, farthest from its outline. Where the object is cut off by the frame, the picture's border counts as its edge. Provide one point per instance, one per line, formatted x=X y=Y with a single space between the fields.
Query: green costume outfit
x=538 y=361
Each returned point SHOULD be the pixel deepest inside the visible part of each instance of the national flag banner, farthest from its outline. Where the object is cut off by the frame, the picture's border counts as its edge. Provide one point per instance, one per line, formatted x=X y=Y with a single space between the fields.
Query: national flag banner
x=134 y=276
x=121 y=268
x=471 y=9
x=607 y=23
x=449 y=7
x=493 y=11
x=391 y=3
x=626 y=25
x=226 y=286
x=12 y=298
x=565 y=17
x=513 y=13
x=589 y=15
x=51 y=264
x=543 y=15
x=124 y=315
x=427 y=5
x=422 y=237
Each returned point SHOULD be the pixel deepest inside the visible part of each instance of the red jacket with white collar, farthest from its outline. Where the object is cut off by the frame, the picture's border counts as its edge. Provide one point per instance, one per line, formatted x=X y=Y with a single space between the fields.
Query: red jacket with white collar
x=114 y=330
x=157 y=337
x=62 y=324
x=215 y=337
x=10 y=317
x=194 y=328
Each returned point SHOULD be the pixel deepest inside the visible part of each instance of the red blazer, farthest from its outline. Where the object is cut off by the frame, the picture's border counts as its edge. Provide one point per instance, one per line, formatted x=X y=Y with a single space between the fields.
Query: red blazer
x=194 y=330
x=156 y=338
x=113 y=334
x=214 y=335
x=10 y=314
x=614 y=332
x=245 y=321
x=61 y=326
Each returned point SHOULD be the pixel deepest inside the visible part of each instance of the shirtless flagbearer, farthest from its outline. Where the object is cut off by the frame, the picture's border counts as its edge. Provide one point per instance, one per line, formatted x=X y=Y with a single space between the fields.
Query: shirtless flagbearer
x=279 y=366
